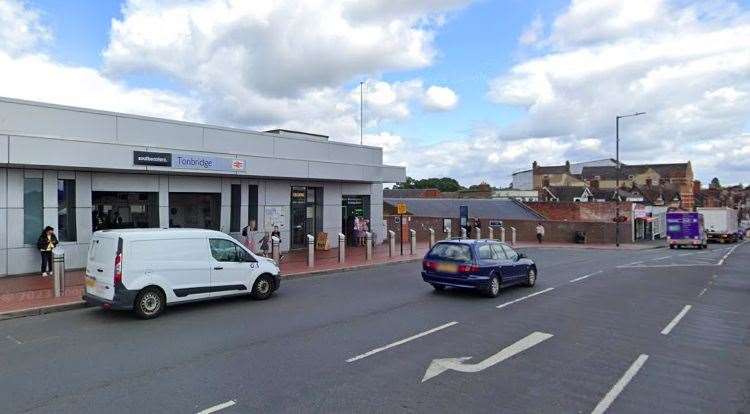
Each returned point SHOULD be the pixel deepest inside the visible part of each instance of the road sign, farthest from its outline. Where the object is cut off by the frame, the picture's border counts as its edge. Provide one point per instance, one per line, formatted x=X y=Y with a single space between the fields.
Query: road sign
x=400 y=208
x=438 y=366
x=463 y=214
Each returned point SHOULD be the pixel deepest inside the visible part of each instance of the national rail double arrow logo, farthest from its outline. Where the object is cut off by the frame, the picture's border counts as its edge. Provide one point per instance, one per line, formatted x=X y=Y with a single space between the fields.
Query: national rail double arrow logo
x=438 y=366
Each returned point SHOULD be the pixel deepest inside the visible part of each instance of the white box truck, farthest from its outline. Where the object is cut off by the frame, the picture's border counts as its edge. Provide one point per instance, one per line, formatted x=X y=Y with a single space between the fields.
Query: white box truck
x=720 y=223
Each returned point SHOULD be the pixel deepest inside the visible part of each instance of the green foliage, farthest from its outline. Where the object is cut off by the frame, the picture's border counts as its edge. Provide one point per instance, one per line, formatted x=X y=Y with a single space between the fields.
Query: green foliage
x=715 y=183
x=444 y=184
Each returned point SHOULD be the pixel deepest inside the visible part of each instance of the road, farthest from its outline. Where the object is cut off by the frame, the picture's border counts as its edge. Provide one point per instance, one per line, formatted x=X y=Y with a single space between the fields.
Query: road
x=617 y=331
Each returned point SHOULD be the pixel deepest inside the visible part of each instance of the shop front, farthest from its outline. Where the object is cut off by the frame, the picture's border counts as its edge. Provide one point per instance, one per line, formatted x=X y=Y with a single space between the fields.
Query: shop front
x=355 y=216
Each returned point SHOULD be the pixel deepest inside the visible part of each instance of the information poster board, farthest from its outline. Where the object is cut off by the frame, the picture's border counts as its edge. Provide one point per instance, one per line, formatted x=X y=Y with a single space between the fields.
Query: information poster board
x=276 y=216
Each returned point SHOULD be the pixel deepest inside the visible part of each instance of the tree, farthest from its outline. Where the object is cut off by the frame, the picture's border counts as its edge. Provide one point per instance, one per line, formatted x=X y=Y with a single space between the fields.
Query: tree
x=444 y=184
x=715 y=183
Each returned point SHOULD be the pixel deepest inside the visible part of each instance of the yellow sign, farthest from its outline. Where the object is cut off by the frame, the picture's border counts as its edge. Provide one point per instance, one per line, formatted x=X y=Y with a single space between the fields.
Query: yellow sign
x=400 y=208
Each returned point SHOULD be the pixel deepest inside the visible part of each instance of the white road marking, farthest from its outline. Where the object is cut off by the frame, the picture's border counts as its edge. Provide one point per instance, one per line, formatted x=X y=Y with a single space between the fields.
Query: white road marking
x=702 y=292
x=217 y=407
x=14 y=340
x=663 y=257
x=686 y=254
x=438 y=366
x=620 y=385
x=634 y=263
x=401 y=342
x=524 y=298
x=586 y=276
x=721 y=262
x=668 y=265
x=667 y=329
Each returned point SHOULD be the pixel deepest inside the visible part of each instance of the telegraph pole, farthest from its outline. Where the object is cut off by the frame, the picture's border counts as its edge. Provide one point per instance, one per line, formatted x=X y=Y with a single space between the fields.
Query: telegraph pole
x=619 y=171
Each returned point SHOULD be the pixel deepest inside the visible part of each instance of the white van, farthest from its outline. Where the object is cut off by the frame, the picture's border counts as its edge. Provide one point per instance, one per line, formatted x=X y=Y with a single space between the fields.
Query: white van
x=148 y=269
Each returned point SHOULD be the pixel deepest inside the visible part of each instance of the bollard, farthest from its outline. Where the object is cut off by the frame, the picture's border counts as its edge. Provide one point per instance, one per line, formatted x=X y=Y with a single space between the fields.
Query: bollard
x=463 y=232
x=513 y=235
x=368 y=243
x=447 y=232
x=275 y=253
x=502 y=234
x=310 y=251
x=490 y=233
x=413 y=241
x=342 y=248
x=477 y=233
x=391 y=243
x=58 y=268
x=432 y=237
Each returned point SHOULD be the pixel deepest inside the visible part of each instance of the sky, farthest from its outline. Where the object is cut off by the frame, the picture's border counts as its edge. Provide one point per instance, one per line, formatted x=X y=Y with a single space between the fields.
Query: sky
x=474 y=90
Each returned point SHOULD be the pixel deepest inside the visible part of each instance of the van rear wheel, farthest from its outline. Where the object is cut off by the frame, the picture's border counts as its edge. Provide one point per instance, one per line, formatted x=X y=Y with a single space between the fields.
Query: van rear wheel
x=149 y=303
x=262 y=288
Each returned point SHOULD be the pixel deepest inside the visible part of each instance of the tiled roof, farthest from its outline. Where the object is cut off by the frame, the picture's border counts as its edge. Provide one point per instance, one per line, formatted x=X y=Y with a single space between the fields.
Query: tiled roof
x=678 y=170
x=500 y=209
x=566 y=193
x=408 y=192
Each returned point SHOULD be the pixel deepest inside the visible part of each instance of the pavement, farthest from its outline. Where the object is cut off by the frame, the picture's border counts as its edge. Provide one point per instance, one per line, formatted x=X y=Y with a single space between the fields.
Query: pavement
x=621 y=331
x=25 y=295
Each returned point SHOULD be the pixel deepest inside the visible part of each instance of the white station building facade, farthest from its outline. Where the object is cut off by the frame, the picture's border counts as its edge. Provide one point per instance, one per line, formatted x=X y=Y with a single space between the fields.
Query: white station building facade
x=80 y=170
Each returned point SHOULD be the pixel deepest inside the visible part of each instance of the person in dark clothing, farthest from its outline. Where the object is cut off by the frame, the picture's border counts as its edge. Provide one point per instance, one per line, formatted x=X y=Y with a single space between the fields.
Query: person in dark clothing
x=47 y=241
x=276 y=233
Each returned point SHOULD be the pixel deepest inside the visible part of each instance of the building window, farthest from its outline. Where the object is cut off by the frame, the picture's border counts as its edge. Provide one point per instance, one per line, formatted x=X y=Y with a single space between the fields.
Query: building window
x=234 y=217
x=33 y=210
x=195 y=210
x=252 y=208
x=545 y=182
x=66 y=210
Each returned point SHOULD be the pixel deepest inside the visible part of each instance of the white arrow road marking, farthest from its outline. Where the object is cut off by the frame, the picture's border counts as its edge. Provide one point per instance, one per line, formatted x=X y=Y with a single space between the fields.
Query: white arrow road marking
x=438 y=366
x=620 y=385
x=401 y=342
x=217 y=407
x=667 y=329
x=523 y=298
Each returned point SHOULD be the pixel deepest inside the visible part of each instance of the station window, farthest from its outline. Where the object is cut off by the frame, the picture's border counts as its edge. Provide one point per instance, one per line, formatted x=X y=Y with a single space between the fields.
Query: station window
x=33 y=210
x=236 y=208
x=66 y=210
x=252 y=208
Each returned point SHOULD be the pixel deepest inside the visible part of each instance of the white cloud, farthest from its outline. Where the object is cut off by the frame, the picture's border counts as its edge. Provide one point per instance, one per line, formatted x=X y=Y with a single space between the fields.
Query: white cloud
x=20 y=28
x=684 y=63
x=28 y=73
x=533 y=32
x=440 y=98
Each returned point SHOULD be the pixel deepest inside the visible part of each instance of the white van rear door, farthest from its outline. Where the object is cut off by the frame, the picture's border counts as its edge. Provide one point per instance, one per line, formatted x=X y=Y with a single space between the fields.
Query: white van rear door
x=100 y=266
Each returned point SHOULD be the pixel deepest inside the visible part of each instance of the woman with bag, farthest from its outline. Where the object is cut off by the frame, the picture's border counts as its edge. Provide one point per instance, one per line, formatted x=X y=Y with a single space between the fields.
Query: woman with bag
x=47 y=241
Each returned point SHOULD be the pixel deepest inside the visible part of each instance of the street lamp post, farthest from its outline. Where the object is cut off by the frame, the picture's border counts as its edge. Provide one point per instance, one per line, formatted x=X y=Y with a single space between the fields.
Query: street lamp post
x=619 y=170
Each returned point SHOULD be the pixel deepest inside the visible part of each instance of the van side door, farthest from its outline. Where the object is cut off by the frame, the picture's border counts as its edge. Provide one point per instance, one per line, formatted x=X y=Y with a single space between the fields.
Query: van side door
x=231 y=267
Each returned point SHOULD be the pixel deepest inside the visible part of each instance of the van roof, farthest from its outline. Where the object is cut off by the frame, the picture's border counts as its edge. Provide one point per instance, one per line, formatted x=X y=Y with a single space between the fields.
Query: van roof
x=179 y=233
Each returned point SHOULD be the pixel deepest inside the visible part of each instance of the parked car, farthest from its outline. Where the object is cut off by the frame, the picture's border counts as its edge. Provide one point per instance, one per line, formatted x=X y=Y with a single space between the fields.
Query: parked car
x=146 y=270
x=483 y=265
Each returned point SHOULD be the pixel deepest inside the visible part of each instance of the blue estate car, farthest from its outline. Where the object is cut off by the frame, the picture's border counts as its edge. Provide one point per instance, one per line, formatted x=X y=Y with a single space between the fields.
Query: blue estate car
x=484 y=265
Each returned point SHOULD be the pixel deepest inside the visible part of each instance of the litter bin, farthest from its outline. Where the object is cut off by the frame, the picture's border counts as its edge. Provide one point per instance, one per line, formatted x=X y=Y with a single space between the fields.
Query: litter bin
x=58 y=268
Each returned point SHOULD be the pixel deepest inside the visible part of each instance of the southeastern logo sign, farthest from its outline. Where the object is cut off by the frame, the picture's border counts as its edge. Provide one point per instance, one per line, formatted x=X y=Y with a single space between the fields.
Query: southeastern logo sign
x=187 y=161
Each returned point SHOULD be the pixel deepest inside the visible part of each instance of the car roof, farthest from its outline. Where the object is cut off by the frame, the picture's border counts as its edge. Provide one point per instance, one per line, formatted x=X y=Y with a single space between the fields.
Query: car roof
x=470 y=242
x=156 y=233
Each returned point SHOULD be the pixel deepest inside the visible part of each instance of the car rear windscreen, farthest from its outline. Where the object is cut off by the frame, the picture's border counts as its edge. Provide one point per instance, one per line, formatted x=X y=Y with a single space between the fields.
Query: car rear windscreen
x=456 y=252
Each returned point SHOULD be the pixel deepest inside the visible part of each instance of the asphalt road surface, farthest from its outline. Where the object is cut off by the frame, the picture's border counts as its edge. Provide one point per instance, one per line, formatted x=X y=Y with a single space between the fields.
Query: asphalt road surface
x=617 y=331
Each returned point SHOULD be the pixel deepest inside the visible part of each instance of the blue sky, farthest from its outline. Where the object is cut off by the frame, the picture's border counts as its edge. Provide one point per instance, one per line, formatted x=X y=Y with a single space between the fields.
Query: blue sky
x=509 y=82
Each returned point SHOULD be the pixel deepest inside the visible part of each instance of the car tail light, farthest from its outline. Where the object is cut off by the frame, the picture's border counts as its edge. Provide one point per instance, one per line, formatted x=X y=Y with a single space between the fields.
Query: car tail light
x=118 y=268
x=428 y=265
x=468 y=268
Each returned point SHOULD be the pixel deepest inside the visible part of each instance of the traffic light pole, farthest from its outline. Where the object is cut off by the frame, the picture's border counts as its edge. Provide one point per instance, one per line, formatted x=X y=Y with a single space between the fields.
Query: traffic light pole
x=617 y=187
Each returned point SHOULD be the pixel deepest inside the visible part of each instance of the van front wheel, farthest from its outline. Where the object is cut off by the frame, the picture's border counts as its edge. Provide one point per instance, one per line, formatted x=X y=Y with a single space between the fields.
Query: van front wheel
x=263 y=287
x=149 y=303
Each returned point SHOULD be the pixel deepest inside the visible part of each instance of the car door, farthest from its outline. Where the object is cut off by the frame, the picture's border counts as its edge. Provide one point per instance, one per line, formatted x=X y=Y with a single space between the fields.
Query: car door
x=231 y=267
x=503 y=264
x=486 y=259
x=517 y=270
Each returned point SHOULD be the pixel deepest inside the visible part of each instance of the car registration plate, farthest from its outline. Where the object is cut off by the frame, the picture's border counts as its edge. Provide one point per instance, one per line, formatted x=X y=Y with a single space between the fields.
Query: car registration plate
x=447 y=268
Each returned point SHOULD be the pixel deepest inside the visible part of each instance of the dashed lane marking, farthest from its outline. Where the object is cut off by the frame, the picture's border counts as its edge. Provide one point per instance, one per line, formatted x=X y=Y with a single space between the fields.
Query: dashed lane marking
x=667 y=329
x=401 y=342
x=620 y=385
x=524 y=298
x=585 y=276
x=217 y=407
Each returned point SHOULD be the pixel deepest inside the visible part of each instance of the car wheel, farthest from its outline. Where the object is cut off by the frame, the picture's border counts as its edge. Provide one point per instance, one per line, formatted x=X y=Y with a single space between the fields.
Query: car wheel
x=438 y=288
x=493 y=288
x=149 y=303
x=262 y=288
x=531 y=277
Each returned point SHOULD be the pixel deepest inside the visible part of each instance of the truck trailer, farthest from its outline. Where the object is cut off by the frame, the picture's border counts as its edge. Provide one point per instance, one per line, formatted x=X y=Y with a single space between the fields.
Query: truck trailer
x=720 y=223
x=685 y=228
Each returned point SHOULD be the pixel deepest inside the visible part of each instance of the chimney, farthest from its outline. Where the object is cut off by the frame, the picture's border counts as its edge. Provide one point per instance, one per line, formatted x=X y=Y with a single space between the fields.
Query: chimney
x=567 y=166
x=534 y=165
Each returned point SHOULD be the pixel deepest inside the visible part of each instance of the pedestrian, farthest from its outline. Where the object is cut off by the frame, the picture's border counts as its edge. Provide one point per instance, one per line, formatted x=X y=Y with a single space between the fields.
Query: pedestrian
x=276 y=233
x=248 y=236
x=264 y=244
x=539 y=232
x=47 y=241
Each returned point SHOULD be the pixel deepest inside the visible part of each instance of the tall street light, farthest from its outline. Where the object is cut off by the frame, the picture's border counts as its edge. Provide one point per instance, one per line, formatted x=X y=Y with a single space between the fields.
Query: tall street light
x=619 y=170
x=361 y=110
